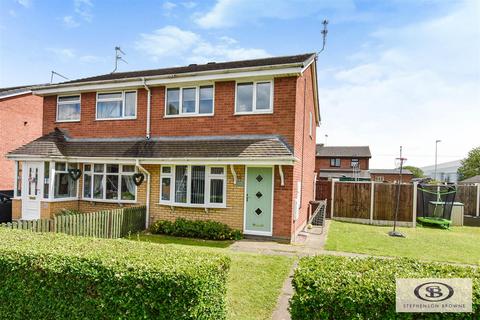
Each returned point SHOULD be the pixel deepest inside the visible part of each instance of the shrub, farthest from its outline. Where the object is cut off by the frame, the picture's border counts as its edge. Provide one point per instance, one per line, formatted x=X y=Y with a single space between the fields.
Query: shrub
x=208 y=229
x=64 y=212
x=330 y=287
x=55 y=276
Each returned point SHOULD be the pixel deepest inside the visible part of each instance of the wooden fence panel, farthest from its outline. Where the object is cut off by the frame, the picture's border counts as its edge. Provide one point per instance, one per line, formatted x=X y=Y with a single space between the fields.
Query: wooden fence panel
x=467 y=194
x=352 y=200
x=385 y=201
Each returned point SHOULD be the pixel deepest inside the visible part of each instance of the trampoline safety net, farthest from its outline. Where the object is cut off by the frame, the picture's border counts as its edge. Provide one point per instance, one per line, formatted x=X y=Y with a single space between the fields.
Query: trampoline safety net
x=435 y=201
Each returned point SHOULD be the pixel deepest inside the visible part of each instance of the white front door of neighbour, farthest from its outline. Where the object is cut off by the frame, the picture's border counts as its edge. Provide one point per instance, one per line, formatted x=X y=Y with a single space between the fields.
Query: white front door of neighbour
x=32 y=190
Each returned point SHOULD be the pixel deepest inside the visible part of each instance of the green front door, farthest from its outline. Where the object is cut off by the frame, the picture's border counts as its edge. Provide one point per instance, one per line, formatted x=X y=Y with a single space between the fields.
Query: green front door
x=258 y=212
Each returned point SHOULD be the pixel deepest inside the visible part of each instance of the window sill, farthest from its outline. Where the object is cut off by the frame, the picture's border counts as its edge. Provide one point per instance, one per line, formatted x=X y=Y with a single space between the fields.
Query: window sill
x=60 y=199
x=67 y=121
x=109 y=201
x=115 y=119
x=199 y=206
x=253 y=113
x=188 y=115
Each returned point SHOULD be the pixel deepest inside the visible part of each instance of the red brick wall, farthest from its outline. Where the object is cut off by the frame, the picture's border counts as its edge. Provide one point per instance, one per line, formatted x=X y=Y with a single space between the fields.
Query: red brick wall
x=224 y=122
x=20 y=122
x=391 y=177
x=345 y=163
x=304 y=169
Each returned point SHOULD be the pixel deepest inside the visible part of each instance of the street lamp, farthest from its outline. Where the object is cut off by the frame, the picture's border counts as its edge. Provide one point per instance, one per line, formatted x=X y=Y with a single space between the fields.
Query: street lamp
x=436 y=153
x=326 y=138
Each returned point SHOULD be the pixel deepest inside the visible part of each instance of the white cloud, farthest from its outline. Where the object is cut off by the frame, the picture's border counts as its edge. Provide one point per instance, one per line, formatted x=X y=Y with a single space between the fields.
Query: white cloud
x=228 y=13
x=12 y=13
x=91 y=59
x=168 y=5
x=25 y=3
x=189 y=4
x=410 y=86
x=70 y=22
x=62 y=53
x=84 y=9
x=172 y=41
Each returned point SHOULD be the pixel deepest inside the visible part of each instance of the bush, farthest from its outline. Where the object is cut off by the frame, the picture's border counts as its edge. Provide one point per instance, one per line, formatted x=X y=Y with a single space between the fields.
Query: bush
x=64 y=212
x=55 y=276
x=208 y=229
x=330 y=287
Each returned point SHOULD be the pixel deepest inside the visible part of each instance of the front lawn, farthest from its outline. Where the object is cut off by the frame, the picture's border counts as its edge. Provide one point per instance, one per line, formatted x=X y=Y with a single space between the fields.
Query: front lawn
x=254 y=281
x=459 y=244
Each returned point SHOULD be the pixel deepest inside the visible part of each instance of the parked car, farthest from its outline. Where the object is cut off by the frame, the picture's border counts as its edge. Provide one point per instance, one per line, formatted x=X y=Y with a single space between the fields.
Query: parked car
x=6 y=206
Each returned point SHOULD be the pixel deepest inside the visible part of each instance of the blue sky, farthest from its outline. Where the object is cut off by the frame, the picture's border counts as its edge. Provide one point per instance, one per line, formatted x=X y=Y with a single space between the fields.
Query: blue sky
x=399 y=72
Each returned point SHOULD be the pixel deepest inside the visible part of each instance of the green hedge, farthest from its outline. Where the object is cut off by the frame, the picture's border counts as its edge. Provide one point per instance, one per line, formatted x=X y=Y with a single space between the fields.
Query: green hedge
x=55 y=276
x=207 y=229
x=332 y=287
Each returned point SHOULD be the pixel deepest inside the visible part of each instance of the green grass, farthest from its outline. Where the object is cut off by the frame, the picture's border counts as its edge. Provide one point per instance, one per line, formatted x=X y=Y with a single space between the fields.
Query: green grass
x=254 y=281
x=458 y=244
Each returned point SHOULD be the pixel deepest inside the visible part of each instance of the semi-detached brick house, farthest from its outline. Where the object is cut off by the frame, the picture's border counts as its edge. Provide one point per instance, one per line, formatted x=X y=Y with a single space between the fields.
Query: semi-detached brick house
x=232 y=142
x=342 y=162
x=20 y=122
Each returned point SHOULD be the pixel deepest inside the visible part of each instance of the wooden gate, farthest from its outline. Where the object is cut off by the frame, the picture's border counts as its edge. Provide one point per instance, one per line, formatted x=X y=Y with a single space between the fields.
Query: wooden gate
x=324 y=191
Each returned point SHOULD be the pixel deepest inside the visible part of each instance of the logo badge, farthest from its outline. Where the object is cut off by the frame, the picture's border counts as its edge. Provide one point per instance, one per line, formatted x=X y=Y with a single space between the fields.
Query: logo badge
x=434 y=295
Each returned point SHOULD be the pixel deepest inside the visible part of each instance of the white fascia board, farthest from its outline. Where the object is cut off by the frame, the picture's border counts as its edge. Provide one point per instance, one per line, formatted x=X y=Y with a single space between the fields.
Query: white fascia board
x=222 y=161
x=15 y=94
x=167 y=79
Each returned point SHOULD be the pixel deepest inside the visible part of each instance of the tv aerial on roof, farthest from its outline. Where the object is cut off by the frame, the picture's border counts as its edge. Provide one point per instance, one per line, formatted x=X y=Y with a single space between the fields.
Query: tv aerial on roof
x=54 y=73
x=118 y=57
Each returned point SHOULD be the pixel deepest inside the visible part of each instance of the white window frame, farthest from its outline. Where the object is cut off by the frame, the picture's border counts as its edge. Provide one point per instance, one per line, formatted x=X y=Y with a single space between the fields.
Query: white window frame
x=197 y=101
x=254 y=97
x=208 y=176
x=123 y=104
x=120 y=173
x=70 y=102
x=52 y=178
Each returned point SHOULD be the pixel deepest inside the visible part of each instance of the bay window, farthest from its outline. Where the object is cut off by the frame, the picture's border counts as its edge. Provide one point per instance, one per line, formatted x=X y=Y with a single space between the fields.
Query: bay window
x=117 y=105
x=189 y=101
x=254 y=97
x=109 y=182
x=64 y=185
x=68 y=108
x=193 y=185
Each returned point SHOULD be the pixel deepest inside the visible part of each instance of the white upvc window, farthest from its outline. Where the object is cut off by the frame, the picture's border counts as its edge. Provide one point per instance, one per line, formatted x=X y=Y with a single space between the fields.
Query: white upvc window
x=254 y=97
x=116 y=105
x=189 y=101
x=68 y=108
x=193 y=186
x=109 y=182
x=64 y=186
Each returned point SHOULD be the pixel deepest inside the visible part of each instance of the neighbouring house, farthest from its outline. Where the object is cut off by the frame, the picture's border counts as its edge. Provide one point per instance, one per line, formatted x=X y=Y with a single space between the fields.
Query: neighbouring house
x=342 y=162
x=390 y=175
x=446 y=171
x=20 y=122
x=232 y=142
x=471 y=180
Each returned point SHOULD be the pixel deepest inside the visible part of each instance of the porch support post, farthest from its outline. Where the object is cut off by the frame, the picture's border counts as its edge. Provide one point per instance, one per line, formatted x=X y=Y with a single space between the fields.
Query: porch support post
x=282 y=177
x=15 y=180
x=478 y=200
x=414 y=204
x=51 y=186
x=234 y=174
x=372 y=199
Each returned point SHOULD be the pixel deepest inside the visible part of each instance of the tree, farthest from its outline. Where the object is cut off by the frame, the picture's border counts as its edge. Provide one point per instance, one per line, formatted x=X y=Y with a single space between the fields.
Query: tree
x=417 y=172
x=470 y=165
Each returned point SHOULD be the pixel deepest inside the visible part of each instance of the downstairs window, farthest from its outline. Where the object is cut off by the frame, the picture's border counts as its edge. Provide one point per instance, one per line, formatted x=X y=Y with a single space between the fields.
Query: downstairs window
x=109 y=182
x=196 y=186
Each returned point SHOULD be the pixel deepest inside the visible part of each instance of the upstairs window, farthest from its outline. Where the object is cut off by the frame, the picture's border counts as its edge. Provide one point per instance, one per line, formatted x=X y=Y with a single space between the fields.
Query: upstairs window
x=335 y=162
x=189 y=101
x=68 y=108
x=354 y=163
x=117 y=105
x=254 y=97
